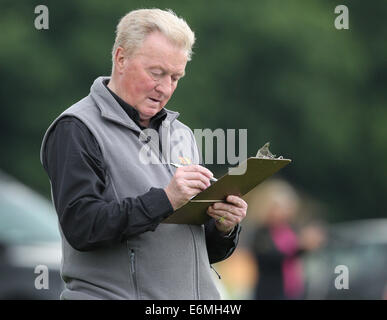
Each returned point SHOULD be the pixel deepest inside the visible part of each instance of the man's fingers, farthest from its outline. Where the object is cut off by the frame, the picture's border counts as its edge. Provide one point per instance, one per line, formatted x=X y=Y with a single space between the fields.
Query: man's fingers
x=234 y=210
x=237 y=201
x=198 y=168
x=196 y=176
x=228 y=214
x=196 y=184
x=231 y=216
x=224 y=217
x=194 y=191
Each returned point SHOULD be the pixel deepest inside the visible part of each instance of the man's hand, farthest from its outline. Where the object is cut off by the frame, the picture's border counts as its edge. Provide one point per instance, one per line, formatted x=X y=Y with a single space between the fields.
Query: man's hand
x=229 y=214
x=187 y=182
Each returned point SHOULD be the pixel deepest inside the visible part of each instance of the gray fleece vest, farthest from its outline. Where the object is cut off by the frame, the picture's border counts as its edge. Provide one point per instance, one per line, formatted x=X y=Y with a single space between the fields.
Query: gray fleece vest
x=170 y=262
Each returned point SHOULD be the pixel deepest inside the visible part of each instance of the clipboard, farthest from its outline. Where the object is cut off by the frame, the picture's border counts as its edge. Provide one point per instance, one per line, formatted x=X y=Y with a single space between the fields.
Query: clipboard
x=257 y=170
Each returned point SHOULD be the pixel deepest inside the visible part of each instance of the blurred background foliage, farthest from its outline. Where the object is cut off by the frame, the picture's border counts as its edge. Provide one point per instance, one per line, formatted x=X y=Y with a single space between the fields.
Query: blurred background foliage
x=278 y=68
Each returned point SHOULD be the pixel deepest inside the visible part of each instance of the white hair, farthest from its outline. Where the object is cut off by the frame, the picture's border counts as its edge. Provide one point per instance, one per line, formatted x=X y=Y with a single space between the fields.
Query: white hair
x=136 y=25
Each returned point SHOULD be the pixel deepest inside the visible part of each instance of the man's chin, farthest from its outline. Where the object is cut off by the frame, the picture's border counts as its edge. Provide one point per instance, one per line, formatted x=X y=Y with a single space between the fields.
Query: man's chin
x=150 y=111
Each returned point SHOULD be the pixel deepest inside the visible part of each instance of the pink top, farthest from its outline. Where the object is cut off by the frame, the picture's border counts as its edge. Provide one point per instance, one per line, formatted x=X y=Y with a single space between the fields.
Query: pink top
x=286 y=242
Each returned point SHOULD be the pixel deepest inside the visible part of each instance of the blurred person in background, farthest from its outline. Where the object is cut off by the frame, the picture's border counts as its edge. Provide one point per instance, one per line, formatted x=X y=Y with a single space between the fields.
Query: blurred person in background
x=276 y=245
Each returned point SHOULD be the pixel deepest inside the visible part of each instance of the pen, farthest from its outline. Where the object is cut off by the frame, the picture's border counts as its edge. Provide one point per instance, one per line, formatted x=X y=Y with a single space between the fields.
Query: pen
x=179 y=166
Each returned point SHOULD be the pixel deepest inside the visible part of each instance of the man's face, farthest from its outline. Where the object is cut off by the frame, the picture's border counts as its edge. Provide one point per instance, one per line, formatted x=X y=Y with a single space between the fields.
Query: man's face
x=149 y=77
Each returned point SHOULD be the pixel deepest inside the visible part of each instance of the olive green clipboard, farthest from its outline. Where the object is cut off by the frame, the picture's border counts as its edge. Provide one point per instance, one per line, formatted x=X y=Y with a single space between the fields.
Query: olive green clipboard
x=257 y=170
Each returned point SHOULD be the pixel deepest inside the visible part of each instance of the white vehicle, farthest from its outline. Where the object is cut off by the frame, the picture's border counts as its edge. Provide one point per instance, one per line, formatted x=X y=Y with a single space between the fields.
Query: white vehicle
x=30 y=244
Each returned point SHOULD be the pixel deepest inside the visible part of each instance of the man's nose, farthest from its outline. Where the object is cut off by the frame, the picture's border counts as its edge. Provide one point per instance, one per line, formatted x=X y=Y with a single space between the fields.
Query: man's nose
x=165 y=86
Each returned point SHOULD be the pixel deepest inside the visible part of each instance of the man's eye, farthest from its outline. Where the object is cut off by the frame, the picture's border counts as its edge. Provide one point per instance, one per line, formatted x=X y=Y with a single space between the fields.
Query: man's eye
x=156 y=73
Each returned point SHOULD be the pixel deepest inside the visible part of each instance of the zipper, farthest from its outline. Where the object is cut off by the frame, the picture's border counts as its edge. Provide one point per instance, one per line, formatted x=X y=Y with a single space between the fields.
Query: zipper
x=133 y=270
x=216 y=272
x=196 y=267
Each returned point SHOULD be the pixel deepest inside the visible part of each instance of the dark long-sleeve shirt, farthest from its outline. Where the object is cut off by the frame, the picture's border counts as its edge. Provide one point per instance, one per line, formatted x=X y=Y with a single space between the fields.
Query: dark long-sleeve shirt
x=89 y=215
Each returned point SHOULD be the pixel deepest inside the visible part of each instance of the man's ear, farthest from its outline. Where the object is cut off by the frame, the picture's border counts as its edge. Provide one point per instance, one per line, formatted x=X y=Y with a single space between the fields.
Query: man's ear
x=119 y=59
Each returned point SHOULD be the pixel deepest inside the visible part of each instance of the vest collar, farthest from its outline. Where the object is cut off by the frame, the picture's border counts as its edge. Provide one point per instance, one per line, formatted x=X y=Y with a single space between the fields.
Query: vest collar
x=111 y=110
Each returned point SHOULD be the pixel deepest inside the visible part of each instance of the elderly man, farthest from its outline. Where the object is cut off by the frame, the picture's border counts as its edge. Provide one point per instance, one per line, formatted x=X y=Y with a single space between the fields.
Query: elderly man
x=111 y=203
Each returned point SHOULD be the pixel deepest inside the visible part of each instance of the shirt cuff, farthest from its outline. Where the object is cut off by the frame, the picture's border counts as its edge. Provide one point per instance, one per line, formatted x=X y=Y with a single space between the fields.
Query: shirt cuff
x=157 y=204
